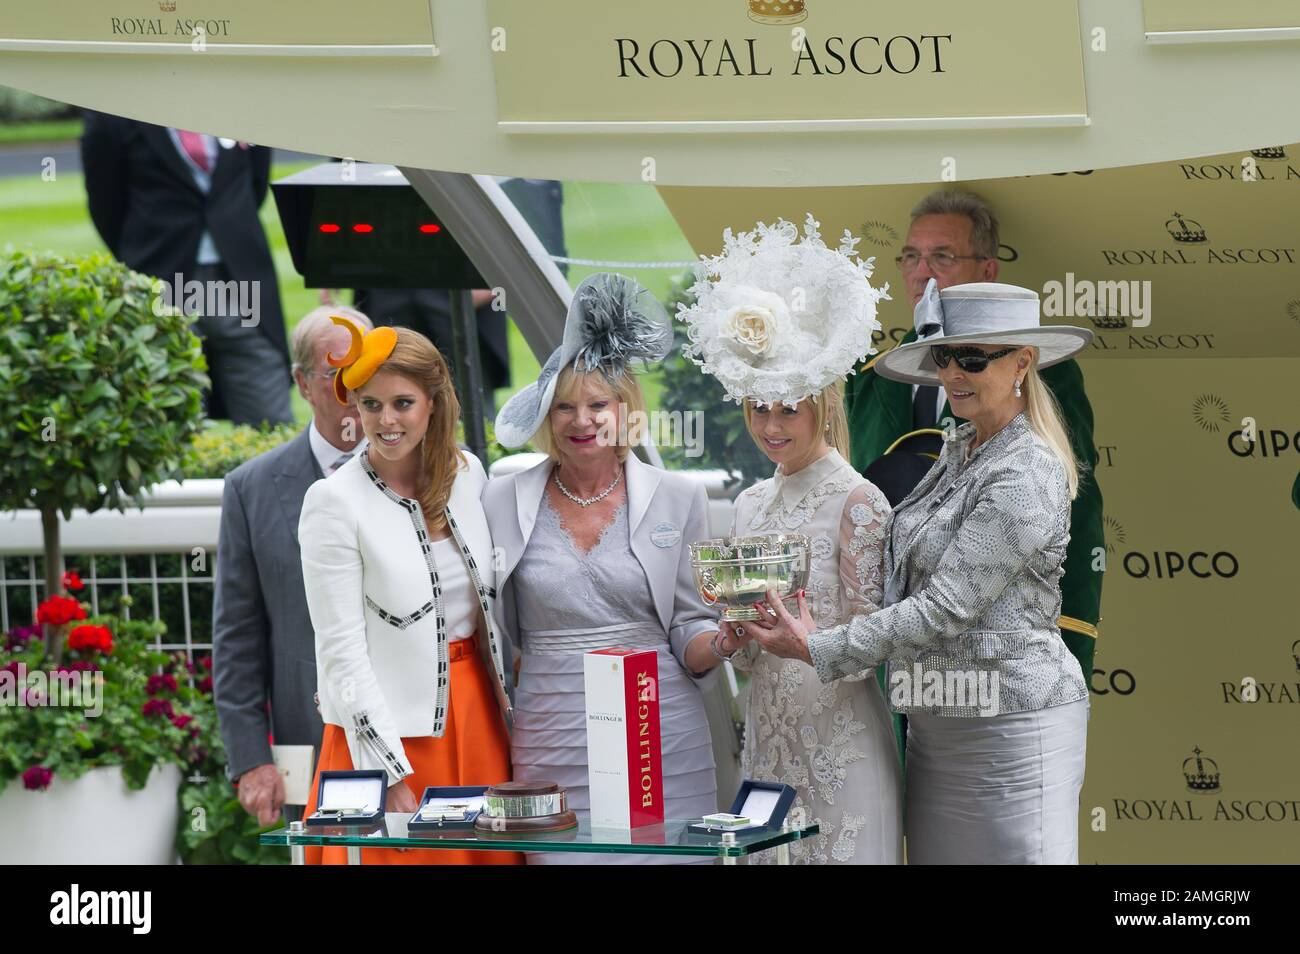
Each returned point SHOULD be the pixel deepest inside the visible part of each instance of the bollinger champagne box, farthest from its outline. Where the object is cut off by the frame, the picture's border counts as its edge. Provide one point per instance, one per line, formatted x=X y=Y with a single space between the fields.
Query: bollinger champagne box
x=624 y=758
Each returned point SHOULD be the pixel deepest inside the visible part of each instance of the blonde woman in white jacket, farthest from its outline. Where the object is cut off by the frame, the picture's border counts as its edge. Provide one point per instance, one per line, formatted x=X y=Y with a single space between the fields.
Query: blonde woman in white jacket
x=397 y=562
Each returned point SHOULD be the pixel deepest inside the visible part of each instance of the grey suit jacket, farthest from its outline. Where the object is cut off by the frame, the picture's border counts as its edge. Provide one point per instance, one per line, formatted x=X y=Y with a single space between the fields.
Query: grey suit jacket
x=666 y=512
x=263 y=645
x=973 y=563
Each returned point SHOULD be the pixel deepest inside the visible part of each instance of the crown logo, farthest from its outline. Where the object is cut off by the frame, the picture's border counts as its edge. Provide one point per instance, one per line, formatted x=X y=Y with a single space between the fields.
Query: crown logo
x=1210 y=411
x=1269 y=152
x=1108 y=322
x=1295 y=654
x=1185 y=230
x=167 y=6
x=1202 y=780
x=777 y=11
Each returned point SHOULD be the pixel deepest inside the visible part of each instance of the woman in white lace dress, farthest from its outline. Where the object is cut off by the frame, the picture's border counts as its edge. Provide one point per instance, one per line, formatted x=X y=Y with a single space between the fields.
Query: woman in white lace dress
x=835 y=742
x=779 y=319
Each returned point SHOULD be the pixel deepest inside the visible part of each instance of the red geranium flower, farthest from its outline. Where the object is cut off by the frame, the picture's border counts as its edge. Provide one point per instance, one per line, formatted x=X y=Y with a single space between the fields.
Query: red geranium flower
x=58 y=610
x=71 y=581
x=157 y=707
x=205 y=684
x=157 y=683
x=37 y=778
x=90 y=637
x=181 y=721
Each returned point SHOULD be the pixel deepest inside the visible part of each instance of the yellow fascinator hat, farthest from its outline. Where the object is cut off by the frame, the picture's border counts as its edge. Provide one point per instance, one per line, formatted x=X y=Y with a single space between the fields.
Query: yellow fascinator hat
x=365 y=354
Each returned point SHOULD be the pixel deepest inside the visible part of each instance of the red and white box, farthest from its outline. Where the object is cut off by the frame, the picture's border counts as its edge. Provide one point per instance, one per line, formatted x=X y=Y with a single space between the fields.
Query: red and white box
x=624 y=756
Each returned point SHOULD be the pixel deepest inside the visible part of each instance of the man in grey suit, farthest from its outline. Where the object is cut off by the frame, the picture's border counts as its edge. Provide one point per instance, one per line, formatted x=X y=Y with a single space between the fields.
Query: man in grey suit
x=264 y=649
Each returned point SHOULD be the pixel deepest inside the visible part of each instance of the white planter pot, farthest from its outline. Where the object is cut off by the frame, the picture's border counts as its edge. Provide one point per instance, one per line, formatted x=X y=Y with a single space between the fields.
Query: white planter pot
x=93 y=820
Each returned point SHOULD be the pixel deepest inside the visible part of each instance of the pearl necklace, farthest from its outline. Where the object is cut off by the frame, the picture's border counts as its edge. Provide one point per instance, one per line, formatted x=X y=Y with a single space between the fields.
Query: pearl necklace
x=587 y=501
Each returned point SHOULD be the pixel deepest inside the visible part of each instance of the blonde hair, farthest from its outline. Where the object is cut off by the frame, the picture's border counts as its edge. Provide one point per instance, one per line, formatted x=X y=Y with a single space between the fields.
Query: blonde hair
x=626 y=392
x=828 y=408
x=415 y=357
x=1044 y=416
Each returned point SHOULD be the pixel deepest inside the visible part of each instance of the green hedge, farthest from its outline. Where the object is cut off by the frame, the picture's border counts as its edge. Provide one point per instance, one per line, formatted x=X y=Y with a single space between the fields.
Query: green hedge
x=17 y=106
x=220 y=448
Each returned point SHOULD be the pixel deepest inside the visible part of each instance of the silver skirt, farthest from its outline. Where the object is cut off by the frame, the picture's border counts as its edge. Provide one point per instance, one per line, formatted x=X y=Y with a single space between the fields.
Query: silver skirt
x=1002 y=790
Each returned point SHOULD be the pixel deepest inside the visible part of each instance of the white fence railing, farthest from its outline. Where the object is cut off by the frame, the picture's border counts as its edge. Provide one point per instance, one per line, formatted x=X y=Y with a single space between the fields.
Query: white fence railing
x=163 y=554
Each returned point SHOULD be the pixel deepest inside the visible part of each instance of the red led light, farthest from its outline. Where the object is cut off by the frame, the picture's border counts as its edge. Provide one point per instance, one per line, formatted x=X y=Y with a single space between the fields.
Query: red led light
x=430 y=228
x=363 y=227
x=329 y=227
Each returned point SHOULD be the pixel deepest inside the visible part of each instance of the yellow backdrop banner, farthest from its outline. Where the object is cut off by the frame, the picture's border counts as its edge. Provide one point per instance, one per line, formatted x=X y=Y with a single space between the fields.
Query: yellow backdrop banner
x=1191 y=259
x=1196 y=688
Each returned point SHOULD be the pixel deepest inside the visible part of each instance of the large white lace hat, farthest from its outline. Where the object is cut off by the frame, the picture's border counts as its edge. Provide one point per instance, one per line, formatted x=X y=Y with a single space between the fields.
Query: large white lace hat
x=777 y=317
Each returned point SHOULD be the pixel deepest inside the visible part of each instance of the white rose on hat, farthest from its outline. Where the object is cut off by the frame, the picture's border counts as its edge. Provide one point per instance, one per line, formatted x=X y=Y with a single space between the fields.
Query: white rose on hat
x=778 y=316
x=756 y=324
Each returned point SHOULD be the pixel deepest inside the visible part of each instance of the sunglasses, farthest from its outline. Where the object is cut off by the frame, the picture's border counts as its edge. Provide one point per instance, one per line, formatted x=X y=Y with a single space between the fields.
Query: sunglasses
x=970 y=359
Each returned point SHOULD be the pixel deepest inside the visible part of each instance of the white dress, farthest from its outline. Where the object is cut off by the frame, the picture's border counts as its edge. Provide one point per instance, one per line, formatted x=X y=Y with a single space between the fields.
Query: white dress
x=833 y=742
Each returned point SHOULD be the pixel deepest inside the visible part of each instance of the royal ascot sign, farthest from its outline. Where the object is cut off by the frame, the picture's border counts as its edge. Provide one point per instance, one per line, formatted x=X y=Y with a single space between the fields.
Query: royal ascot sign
x=248 y=27
x=785 y=65
x=1202 y=21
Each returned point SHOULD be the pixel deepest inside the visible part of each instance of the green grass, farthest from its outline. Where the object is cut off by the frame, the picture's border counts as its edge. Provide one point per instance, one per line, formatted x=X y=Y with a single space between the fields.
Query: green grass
x=602 y=221
x=46 y=130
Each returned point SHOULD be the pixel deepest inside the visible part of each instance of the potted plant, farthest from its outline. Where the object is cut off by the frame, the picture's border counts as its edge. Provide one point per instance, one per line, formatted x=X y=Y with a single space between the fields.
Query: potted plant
x=93 y=740
x=96 y=748
x=103 y=390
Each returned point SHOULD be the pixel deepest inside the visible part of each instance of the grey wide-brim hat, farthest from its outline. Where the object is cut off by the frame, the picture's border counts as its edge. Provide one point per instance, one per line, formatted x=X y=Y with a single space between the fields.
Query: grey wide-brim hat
x=612 y=321
x=987 y=313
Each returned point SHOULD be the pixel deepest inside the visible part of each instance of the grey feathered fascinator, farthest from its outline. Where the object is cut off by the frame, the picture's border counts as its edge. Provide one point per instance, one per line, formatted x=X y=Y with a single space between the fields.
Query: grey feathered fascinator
x=612 y=321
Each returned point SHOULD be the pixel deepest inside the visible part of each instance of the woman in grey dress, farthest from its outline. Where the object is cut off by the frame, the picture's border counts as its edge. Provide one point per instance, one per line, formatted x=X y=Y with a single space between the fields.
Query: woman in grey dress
x=997 y=705
x=593 y=548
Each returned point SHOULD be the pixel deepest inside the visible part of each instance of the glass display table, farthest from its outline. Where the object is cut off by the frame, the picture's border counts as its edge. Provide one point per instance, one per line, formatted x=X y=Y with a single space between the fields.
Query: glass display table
x=670 y=838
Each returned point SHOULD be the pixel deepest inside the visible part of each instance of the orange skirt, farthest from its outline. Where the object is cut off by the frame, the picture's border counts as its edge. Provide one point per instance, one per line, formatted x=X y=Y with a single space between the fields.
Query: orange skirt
x=474 y=750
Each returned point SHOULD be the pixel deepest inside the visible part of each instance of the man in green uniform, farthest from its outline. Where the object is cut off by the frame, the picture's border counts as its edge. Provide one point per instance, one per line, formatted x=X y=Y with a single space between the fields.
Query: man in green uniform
x=954 y=239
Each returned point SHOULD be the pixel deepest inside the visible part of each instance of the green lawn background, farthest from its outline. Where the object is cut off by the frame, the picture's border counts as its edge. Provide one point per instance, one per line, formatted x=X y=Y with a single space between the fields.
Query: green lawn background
x=605 y=222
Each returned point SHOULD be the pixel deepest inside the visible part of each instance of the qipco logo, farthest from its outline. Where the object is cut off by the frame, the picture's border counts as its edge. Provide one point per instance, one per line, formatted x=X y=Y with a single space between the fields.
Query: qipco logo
x=1118 y=681
x=1171 y=564
x=1251 y=441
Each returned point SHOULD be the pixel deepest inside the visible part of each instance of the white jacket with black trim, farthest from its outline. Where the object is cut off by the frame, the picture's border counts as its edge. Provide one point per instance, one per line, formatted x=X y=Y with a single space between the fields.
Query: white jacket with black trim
x=376 y=607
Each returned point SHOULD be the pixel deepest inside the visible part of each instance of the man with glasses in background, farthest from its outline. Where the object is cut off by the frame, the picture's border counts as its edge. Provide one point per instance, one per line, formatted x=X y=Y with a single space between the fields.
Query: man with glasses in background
x=895 y=428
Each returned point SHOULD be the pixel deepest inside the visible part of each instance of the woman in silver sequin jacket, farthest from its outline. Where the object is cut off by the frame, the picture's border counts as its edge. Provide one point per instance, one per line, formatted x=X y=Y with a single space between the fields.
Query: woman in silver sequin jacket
x=997 y=705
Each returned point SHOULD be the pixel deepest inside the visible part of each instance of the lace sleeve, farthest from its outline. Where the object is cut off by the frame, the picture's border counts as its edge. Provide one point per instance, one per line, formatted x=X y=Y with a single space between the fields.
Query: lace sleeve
x=862 y=548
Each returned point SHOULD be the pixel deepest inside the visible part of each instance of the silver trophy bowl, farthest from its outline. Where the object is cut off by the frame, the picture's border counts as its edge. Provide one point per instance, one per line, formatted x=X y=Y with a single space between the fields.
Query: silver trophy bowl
x=735 y=573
